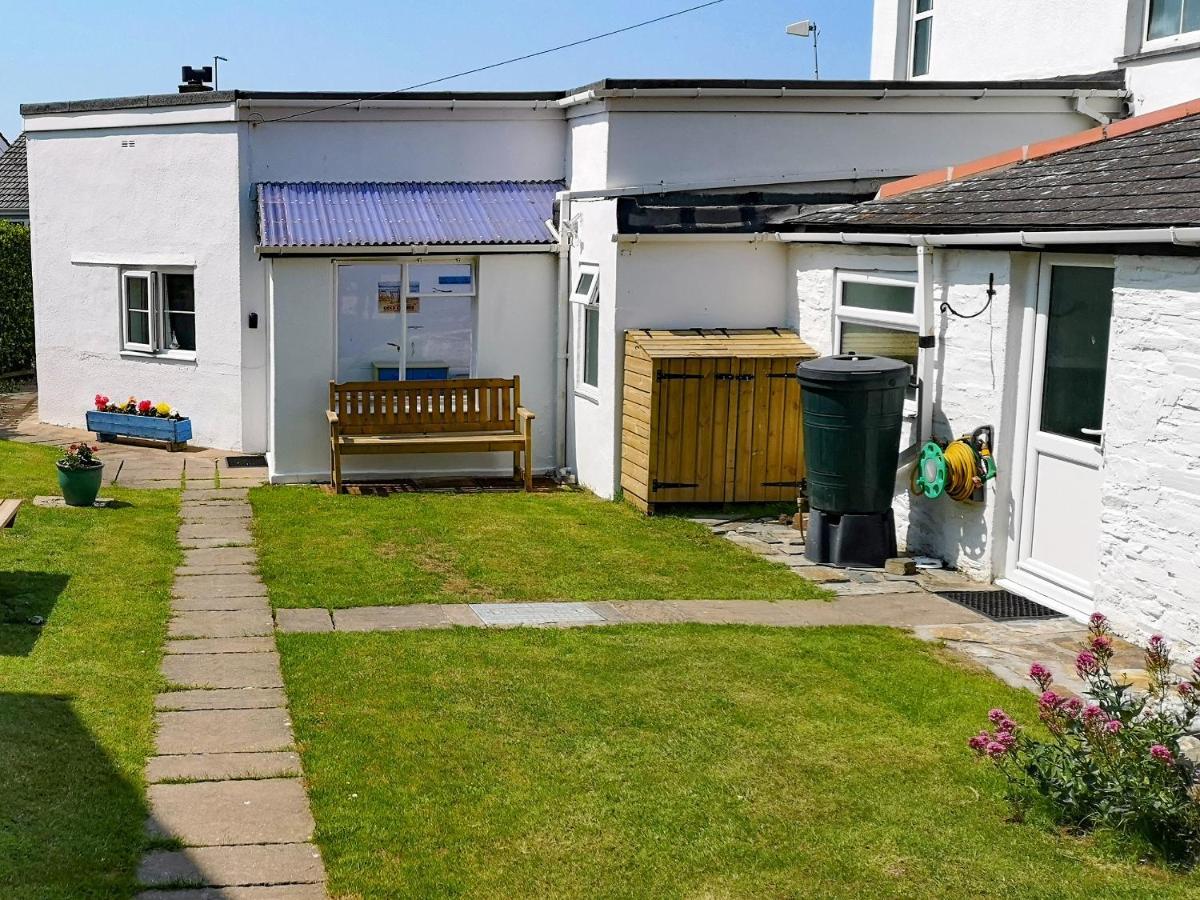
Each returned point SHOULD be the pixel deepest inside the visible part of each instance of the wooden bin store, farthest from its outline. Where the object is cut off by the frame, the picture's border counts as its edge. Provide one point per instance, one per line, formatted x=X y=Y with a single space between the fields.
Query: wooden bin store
x=711 y=416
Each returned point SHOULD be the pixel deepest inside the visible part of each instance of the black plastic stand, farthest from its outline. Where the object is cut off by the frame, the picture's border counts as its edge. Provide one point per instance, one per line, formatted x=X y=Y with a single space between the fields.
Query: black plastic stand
x=850 y=539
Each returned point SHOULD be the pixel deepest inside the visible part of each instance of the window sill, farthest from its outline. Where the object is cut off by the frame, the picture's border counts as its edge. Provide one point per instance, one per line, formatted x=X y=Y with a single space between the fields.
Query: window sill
x=587 y=392
x=187 y=356
x=1159 y=51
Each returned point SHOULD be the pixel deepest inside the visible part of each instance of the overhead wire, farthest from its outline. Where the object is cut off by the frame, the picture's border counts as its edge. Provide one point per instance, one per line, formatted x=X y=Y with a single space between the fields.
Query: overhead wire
x=496 y=65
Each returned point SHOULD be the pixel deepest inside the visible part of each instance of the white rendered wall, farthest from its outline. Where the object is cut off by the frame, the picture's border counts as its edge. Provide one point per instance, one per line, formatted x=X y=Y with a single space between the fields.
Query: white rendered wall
x=973 y=359
x=438 y=146
x=514 y=336
x=1149 y=562
x=1013 y=40
x=172 y=197
x=778 y=141
x=587 y=150
x=1162 y=81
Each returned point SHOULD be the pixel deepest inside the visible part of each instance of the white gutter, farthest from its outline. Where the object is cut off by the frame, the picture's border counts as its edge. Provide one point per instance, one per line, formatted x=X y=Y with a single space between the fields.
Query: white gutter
x=807 y=178
x=977 y=93
x=741 y=237
x=409 y=250
x=1189 y=236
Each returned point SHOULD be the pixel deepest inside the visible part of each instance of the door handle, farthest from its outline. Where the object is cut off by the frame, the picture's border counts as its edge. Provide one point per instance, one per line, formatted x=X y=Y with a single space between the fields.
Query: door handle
x=1094 y=432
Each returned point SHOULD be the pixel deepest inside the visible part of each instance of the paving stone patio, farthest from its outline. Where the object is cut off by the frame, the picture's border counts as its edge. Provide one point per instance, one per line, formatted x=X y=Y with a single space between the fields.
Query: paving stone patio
x=226 y=779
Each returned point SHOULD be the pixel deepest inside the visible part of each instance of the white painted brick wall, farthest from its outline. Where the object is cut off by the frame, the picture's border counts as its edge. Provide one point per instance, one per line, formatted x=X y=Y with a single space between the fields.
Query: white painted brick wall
x=1150 y=520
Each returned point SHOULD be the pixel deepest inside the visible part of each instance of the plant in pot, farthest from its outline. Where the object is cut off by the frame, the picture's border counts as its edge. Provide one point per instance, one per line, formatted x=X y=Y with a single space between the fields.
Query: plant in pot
x=79 y=474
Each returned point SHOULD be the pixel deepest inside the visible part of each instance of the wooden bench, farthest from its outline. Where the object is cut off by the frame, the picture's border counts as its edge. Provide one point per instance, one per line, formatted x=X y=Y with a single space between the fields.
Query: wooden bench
x=8 y=512
x=459 y=415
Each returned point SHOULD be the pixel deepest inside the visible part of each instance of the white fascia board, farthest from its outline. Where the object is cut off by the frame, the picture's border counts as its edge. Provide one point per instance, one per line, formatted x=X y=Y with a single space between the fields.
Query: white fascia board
x=1178 y=236
x=153 y=116
x=740 y=237
x=412 y=250
x=810 y=179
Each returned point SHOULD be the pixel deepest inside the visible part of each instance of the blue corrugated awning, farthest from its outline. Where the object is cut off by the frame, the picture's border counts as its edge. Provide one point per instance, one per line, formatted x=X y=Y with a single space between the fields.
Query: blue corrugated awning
x=381 y=214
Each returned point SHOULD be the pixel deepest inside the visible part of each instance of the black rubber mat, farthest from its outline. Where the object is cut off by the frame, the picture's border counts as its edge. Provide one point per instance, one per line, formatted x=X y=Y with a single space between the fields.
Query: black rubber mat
x=1000 y=606
x=246 y=462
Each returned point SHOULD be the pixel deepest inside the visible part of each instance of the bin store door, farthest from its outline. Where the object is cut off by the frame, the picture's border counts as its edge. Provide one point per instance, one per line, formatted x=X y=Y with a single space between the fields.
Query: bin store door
x=727 y=430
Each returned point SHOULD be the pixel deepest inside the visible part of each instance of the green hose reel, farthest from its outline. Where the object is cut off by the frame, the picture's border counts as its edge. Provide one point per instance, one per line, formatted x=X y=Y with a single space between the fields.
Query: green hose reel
x=930 y=477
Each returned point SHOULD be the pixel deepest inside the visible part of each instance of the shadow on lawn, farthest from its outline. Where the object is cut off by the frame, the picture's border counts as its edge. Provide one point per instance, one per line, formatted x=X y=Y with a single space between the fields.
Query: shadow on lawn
x=26 y=601
x=70 y=823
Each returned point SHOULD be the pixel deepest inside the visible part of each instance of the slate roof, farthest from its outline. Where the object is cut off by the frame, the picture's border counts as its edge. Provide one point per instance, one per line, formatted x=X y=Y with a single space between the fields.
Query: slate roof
x=14 y=179
x=381 y=214
x=1130 y=175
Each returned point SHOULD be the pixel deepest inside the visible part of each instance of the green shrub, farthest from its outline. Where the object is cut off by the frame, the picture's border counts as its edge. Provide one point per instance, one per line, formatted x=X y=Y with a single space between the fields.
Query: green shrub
x=16 y=299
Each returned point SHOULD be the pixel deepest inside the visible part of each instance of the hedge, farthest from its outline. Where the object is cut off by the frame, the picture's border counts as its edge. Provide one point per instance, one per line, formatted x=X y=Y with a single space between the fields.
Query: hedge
x=16 y=299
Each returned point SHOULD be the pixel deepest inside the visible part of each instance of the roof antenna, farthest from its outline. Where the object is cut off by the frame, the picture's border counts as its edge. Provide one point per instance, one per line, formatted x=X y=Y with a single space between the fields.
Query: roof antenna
x=806 y=28
x=217 y=71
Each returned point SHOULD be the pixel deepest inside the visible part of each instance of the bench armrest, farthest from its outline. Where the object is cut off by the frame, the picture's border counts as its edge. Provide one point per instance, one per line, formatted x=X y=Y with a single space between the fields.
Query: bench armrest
x=523 y=413
x=331 y=417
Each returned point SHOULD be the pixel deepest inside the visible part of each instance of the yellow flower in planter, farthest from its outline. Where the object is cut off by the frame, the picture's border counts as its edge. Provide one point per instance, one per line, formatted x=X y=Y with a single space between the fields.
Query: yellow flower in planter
x=162 y=409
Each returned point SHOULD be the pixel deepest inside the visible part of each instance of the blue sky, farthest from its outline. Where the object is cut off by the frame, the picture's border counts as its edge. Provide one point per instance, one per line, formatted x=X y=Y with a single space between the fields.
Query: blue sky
x=73 y=49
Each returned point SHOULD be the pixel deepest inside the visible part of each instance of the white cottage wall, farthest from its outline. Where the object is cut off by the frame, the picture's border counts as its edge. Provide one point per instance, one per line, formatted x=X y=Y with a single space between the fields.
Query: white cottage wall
x=515 y=324
x=1149 y=564
x=105 y=198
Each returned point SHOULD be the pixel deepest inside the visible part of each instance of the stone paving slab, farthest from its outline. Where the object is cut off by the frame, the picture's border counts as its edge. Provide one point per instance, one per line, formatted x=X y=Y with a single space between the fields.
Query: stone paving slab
x=223 y=731
x=211 y=494
x=214 y=511
x=208 y=813
x=221 y=623
x=517 y=614
x=221 y=569
x=391 y=618
x=221 y=645
x=220 y=556
x=276 y=864
x=223 y=670
x=303 y=620
x=224 y=698
x=284 y=892
x=206 y=543
x=223 y=766
x=241 y=585
x=854 y=589
x=225 y=530
x=219 y=603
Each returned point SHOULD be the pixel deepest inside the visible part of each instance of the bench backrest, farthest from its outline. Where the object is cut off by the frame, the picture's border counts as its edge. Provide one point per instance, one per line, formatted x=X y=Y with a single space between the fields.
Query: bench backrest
x=414 y=407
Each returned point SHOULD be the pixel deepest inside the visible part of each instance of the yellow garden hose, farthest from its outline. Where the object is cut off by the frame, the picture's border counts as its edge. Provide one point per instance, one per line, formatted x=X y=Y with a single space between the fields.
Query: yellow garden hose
x=959 y=470
x=961 y=480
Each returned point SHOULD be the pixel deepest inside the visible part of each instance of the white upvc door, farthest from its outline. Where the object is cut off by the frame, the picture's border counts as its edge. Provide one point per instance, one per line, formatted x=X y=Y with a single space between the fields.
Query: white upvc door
x=1058 y=537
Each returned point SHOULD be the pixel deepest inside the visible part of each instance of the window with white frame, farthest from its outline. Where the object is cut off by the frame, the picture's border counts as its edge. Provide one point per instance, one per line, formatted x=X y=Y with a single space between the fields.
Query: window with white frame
x=922 y=37
x=158 y=311
x=586 y=303
x=876 y=315
x=1168 y=19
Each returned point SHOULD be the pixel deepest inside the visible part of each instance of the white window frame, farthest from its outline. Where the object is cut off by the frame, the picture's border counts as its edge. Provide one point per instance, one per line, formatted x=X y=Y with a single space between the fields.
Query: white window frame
x=403 y=264
x=859 y=315
x=581 y=305
x=1170 y=40
x=912 y=39
x=157 y=313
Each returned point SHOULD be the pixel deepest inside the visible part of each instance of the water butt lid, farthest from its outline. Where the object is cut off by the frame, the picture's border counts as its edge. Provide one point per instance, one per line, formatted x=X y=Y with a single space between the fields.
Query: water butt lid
x=859 y=370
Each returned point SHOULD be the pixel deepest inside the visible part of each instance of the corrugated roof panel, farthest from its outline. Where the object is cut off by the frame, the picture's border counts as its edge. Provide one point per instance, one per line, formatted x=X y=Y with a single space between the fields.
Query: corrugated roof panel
x=376 y=214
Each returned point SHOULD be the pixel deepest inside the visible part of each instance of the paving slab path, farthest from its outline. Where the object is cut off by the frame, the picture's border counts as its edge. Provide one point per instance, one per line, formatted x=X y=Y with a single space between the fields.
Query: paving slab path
x=225 y=780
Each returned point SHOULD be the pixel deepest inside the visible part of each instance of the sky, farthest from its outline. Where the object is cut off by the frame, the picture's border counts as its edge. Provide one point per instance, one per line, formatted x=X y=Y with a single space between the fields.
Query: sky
x=78 y=49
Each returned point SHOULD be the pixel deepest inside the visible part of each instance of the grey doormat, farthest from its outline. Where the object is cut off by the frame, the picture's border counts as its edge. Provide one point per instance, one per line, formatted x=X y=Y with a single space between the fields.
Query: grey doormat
x=1000 y=606
x=246 y=462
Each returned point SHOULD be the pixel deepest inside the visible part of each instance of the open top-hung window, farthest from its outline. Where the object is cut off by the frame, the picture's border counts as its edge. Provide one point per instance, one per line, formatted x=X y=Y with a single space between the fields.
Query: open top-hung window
x=585 y=298
x=1166 y=19
x=922 y=36
x=158 y=312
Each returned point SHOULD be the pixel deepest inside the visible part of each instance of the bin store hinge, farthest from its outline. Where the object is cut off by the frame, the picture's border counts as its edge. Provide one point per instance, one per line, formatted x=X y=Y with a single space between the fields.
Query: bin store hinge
x=729 y=376
x=667 y=485
x=660 y=375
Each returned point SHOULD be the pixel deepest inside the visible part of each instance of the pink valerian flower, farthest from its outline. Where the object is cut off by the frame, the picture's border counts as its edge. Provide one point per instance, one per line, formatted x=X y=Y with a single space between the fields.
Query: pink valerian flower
x=1186 y=690
x=1042 y=676
x=1158 y=654
x=1005 y=739
x=995 y=749
x=979 y=742
x=1196 y=667
x=1093 y=714
x=1102 y=646
x=1162 y=754
x=1072 y=706
x=1001 y=720
x=1086 y=664
x=1048 y=700
x=1098 y=624
x=1113 y=726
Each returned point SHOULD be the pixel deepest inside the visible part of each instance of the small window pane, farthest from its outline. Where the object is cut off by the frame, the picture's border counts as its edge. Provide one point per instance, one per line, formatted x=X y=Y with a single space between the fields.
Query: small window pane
x=1191 y=15
x=1081 y=300
x=1165 y=17
x=924 y=5
x=441 y=337
x=441 y=278
x=875 y=340
x=584 y=286
x=922 y=38
x=137 y=327
x=591 y=345
x=180 y=309
x=882 y=297
x=137 y=292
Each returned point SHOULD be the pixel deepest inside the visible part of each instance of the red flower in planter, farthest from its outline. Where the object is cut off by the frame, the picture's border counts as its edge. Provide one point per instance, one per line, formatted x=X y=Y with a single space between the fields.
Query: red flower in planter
x=144 y=407
x=101 y=402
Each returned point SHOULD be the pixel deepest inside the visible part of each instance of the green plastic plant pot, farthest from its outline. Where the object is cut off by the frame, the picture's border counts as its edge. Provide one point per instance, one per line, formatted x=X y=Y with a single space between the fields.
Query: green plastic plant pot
x=80 y=487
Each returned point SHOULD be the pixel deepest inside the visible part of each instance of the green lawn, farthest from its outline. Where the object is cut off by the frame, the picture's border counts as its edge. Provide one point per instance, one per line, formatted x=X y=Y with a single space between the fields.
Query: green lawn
x=317 y=549
x=77 y=694
x=668 y=761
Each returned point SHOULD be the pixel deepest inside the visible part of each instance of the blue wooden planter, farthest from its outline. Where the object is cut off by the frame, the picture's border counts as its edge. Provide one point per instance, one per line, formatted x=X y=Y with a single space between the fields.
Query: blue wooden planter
x=107 y=425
